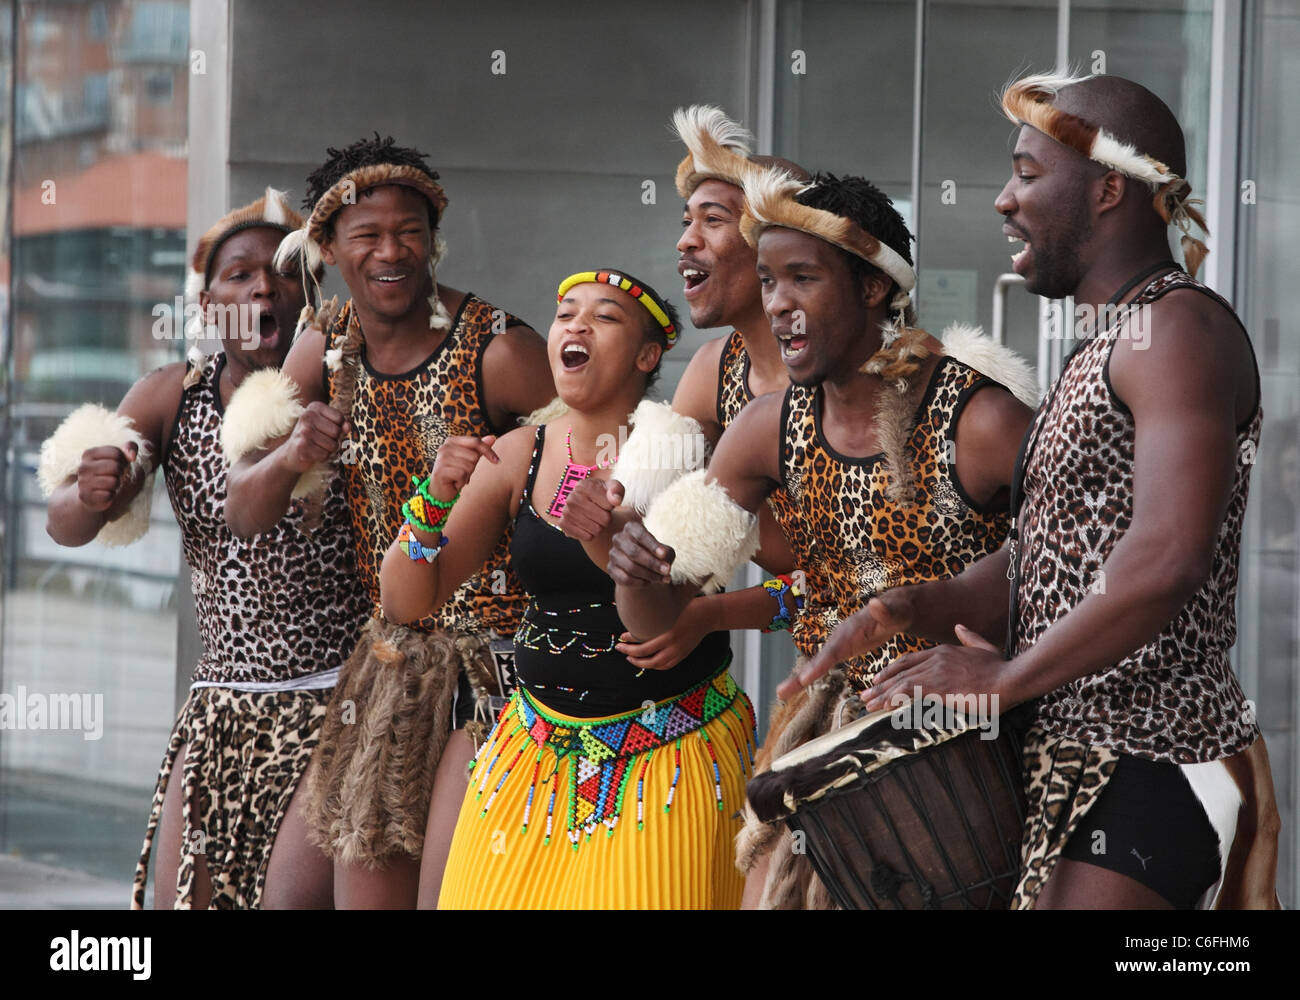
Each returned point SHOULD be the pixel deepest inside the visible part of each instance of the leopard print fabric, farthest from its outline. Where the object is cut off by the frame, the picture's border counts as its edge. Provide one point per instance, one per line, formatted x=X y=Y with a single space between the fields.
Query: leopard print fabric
x=733 y=395
x=270 y=608
x=1063 y=780
x=1175 y=699
x=256 y=744
x=399 y=423
x=854 y=542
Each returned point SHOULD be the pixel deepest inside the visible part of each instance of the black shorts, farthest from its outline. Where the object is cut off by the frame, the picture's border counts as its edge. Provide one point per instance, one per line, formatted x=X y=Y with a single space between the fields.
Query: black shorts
x=1149 y=825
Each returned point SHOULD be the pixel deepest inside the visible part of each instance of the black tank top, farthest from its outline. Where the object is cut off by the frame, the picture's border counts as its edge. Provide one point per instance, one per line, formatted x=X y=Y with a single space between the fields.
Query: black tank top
x=564 y=649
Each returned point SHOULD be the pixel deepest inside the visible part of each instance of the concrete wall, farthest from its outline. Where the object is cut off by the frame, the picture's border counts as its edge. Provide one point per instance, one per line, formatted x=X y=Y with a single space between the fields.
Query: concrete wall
x=544 y=164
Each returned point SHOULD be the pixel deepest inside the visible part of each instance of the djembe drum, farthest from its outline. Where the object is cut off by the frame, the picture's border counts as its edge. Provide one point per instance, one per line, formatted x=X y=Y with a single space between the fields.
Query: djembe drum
x=899 y=816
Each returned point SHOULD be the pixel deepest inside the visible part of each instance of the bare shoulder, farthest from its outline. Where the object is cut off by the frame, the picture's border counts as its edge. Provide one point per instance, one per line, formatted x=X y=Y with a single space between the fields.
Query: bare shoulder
x=1184 y=342
x=992 y=411
x=519 y=343
x=751 y=441
x=152 y=402
x=697 y=390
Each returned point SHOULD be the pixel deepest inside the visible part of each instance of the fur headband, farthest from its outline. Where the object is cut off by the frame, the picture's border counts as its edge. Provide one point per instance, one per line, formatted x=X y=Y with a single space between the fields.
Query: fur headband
x=770 y=201
x=304 y=242
x=1029 y=102
x=719 y=148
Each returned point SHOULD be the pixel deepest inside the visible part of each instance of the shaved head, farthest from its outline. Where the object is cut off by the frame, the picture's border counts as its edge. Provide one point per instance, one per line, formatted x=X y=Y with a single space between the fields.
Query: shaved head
x=779 y=163
x=1131 y=113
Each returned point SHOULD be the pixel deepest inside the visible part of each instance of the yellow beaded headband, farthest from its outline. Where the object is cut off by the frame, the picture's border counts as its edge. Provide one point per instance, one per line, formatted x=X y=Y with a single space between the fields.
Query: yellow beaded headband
x=646 y=296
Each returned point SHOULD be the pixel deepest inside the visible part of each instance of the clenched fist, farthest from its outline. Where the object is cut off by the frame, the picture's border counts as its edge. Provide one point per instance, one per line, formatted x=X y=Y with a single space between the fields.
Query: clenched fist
x=638 y=559
x=457 y=459
x=102 y=474
x=589 y=509
x=315 y=437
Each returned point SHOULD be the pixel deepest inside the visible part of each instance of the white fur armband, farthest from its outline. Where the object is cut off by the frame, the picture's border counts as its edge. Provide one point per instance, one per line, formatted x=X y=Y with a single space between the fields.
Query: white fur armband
x=968 y=345
x=95 y=426
x=662 y=447
x=265 y=407
x=711 y=534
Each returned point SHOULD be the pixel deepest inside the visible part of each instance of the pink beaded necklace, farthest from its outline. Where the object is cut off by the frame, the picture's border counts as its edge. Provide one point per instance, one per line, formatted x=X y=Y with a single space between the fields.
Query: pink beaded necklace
x=573 y=475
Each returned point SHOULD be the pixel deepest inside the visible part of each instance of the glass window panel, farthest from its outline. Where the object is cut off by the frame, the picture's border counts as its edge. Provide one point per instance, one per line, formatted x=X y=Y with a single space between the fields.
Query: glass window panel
x=1268 y=647
x=98 y=159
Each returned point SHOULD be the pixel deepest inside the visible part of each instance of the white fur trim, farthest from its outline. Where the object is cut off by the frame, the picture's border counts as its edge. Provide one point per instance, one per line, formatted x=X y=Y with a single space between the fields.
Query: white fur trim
x=553 y=410
x=193 y=285
x=88 y=426
x=275 y=207
x=968 y=345
x=1124 y=157
x=705 y=120
x=299 y=247
x=265 y=407
x=95 y=426
x=663 y=446
x=134 y=523
x=1221 y=799
x=711 y=534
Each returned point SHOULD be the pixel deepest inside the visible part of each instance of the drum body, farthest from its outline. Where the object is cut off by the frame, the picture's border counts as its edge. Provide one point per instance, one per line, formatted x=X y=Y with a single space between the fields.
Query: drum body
x=897 y=818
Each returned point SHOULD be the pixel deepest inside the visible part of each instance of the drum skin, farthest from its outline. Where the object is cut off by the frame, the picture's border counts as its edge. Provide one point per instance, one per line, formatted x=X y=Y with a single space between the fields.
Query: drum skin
x=888 y=827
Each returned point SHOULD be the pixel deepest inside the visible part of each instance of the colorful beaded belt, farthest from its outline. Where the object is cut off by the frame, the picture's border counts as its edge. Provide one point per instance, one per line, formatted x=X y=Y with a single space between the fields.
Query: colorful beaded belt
x=604 y=751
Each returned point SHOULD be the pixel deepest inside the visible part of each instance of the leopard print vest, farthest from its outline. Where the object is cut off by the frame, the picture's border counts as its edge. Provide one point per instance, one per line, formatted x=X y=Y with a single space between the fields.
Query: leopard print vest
x=733 y=395
x=1175 y=699
x=271 y=608
x=852 y=541
x=399 y=423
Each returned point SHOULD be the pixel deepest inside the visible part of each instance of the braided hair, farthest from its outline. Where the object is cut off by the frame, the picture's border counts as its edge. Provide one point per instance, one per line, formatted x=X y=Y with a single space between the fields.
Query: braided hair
x=365 y=153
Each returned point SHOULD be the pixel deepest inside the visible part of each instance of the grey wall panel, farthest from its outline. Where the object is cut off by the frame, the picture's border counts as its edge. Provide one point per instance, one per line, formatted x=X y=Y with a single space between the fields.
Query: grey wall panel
x=544 y=166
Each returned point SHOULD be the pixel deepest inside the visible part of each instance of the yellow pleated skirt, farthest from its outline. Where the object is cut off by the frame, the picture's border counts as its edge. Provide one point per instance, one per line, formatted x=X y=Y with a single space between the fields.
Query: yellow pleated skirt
x=523 y=840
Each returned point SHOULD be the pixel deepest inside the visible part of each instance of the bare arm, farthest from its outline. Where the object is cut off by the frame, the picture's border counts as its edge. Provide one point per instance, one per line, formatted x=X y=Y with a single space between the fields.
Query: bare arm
x=103 y=488
x=697 y=390
x=260 y=483
x=488 y=475
x=516 y=376
x=1185 y=416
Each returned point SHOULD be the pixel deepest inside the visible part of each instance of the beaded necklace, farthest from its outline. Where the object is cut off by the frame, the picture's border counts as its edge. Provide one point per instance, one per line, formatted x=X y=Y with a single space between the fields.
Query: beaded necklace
x=573 y=475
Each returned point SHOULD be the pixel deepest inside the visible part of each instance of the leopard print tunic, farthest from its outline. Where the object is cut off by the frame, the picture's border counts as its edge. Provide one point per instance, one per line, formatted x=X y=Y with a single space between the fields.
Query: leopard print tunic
x=733 y=395
x=1175 y=699
x=854 y=541
x=399 y=423
x=270 y=608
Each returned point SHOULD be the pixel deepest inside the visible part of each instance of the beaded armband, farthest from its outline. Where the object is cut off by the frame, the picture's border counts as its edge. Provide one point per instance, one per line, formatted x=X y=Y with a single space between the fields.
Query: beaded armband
x=414 y=548
x=778 y=588
x=418 y=511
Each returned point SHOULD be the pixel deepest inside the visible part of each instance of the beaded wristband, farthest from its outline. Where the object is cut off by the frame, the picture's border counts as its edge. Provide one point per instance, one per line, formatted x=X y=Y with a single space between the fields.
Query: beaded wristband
x=414 y=548
x=778 y=587
x=416 y=510
x=422 y=489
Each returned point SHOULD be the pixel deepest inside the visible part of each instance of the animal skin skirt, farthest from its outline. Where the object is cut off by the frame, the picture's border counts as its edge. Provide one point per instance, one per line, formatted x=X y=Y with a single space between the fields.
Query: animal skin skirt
x=247 y=753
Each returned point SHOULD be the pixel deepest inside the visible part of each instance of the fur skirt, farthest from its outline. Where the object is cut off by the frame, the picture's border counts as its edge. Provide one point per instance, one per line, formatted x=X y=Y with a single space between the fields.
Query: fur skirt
x=383 y=736
x=791 y=883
